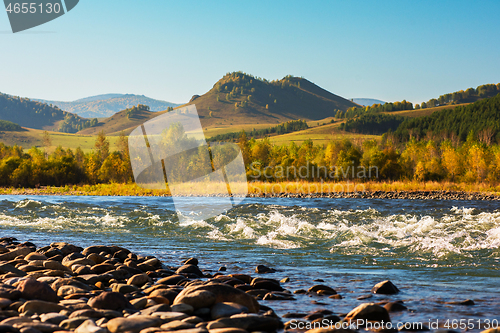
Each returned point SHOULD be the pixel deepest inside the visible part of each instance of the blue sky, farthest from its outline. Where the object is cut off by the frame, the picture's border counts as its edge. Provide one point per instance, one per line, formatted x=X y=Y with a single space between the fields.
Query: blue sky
x=170 y=50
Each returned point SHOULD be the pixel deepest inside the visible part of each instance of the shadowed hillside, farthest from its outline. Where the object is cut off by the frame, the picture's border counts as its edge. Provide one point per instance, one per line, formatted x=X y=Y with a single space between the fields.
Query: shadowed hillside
x=28 y=113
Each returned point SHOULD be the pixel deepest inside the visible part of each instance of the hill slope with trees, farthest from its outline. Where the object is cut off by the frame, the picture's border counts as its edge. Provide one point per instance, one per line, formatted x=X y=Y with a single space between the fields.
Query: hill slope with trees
x=482 y=118
x=240 y=98
x=28 y=113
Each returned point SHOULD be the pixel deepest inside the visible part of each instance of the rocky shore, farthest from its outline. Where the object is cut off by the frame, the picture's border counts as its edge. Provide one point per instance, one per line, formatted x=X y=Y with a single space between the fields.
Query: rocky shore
x=411 y=195
x=108 y=289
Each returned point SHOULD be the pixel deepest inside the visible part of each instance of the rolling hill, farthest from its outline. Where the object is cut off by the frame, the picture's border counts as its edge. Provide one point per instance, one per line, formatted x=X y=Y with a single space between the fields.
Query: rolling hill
x=102 y=106
x=239 y=98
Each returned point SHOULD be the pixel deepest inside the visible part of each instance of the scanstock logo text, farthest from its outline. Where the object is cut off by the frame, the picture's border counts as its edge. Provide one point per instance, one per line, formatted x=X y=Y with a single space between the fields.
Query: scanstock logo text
x=171 y=152
x=27 y=14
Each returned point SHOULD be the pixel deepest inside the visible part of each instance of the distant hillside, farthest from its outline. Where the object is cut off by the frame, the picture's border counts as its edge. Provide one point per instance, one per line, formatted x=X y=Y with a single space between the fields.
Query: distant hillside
x=28 y=113
x=367 y=101
x=482 y=118
x=468 y=96
x=103 y=106
x=125 y=120
x=239 y=98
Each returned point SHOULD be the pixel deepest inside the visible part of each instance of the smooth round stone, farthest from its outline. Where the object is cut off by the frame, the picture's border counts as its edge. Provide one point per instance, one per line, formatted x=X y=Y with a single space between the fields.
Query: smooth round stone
x=184 y=308
x=176 y=325
x=89 y=326
x=133 y=323
x=52 y=318
x=227 y=309
x=197 y=299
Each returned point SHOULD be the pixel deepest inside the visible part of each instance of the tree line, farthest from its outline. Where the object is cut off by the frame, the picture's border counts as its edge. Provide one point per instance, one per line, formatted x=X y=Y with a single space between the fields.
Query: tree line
x=430 y=158
x=283 y=128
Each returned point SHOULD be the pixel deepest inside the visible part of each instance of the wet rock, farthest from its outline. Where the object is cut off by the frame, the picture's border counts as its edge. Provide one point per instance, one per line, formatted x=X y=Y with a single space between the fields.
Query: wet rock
x=227 y=309
x=133 y=324
x=269 y=284
x=300 y=291
x=395 y=306
x=248 y=322
x=385 y=287
x=193 y=269
x=243 y=277
x=139 y=279
x=89 y=326
x=40 y=307
x=111 y=301
x=223 y=293
x=466 y=302
x=322 y=289
x=368 y=311
x=262 y=269
x=191 y=261
x=294 y=315
x=33 y=289
x=285 y=280
x=197 y=299
x=277 y=296
x=362 y=297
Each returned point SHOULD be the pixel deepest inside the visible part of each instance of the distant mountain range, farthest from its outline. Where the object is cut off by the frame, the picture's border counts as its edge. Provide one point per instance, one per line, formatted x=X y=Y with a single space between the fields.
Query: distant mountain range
x=367 y=101
x=103 y=106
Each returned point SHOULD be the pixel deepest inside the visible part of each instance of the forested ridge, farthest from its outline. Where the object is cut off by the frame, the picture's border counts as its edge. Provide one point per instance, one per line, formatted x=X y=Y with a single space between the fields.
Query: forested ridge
x=287 y=127
x=481 y=119
x=32 y=114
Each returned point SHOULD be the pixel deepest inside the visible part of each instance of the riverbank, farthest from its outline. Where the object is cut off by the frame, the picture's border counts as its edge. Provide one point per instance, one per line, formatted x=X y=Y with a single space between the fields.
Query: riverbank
x=64 y=287
x=370 y=190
